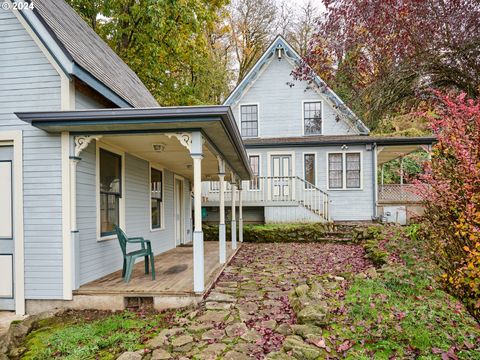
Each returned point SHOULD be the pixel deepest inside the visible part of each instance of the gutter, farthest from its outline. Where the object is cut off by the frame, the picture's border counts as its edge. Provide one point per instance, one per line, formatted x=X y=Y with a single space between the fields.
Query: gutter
x=339 y=142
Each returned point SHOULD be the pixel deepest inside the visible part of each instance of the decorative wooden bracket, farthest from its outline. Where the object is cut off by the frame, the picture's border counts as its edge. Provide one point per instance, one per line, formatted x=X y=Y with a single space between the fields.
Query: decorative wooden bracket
x=184 y=138
x=82 y=142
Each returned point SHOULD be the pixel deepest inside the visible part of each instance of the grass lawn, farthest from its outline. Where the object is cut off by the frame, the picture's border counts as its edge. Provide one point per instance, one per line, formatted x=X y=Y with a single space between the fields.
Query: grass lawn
x=93 y=334
x=401 y=312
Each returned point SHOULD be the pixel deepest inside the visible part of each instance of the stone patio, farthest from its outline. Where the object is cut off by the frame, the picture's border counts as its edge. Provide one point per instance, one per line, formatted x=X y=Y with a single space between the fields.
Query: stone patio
x=248 y=314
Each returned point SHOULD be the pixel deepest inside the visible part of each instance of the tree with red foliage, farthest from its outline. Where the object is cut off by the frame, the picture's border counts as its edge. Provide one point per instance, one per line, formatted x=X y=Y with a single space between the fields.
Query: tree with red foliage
x=450 y=187
x=382 y=55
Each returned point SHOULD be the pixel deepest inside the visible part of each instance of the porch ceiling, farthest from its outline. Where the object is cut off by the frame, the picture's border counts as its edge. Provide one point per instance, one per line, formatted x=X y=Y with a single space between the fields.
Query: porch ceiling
x=174 y=155
x=388 y=153
x=216 y=123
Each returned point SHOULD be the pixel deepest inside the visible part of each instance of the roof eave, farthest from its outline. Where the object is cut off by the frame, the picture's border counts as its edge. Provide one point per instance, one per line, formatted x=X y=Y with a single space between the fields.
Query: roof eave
x=338 y=142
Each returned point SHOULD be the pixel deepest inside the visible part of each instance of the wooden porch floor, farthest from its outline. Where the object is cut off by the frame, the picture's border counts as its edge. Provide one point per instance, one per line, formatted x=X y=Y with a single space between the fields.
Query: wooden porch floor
x=174 y=274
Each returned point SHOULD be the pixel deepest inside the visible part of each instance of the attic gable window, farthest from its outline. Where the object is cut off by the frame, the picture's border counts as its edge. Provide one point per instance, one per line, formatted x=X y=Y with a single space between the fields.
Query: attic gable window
x=312 y=117
x=249 y=120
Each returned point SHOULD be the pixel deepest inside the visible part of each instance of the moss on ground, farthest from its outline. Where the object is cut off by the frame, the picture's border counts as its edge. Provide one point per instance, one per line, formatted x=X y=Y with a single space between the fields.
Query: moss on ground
x=279 y=233
x=78 y=335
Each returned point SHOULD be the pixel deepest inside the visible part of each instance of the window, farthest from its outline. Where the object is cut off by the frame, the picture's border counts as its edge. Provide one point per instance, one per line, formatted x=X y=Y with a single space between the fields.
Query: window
x=312 y=117
x=353 y=170
x=335 y=171
x=156 y=197
x=249 y=120
x=309 y=170
x=255 y=165
x=110 y=191
x=344 y=171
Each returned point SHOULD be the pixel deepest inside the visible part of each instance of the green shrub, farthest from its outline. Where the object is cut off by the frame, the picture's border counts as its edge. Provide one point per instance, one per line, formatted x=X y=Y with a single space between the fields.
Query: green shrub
x=269 y=233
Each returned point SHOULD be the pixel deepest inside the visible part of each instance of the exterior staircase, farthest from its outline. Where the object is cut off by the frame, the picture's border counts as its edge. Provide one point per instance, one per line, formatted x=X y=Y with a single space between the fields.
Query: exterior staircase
x=276 y=191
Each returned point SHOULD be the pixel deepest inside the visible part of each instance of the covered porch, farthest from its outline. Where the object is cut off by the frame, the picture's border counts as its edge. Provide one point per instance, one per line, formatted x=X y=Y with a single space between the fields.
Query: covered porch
x=398 y=202
x=112 y=154
x=173 y=286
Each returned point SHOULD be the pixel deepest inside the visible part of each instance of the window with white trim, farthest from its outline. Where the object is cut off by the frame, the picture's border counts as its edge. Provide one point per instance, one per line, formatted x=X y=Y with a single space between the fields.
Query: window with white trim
x=249 y=120
x=344 y=170
x=312 y=117
x=255 y=165
x=156 y=198
x=110 y=191
x=352 y=170
x=309 y=170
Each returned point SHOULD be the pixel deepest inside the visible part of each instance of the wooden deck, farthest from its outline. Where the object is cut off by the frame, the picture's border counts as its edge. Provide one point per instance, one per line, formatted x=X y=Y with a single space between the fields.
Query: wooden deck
x=174 y=275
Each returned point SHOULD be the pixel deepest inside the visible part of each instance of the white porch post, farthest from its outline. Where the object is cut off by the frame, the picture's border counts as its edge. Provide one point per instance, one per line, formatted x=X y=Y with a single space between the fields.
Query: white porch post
x=401 y=170
x=222 y=236
x=240 y=213
x=234 y=222
x=198 y=253
x=73 y=221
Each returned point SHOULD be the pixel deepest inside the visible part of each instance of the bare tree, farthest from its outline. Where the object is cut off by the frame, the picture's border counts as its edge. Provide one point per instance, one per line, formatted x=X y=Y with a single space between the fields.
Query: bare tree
x=252 y=24
x=302 y=25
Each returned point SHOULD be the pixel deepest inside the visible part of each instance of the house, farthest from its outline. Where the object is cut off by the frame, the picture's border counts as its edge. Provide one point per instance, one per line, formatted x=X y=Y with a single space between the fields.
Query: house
x=84 y=146
x=312 y=157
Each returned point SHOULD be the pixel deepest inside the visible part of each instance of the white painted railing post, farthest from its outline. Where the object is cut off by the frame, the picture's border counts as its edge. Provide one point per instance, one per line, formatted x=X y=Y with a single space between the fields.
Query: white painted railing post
x=222 y=235
x=240 y=214
x=234 y=222
x=198 y=252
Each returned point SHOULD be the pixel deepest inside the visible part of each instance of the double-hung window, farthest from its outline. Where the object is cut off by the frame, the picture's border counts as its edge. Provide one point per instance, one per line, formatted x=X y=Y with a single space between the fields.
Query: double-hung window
x=249 y=120
x=110 y=191
x=344 y=170
x=156 y=197
x=309 y=170
x=255 y=165
x=312 y=117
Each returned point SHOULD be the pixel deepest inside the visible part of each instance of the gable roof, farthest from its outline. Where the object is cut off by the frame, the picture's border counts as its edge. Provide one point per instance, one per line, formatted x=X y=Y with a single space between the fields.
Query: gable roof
x=91 y=59
x=280 y=43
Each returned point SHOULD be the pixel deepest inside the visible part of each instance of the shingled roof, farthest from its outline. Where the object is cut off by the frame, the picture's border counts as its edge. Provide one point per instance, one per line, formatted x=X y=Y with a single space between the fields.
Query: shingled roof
x=86 y=49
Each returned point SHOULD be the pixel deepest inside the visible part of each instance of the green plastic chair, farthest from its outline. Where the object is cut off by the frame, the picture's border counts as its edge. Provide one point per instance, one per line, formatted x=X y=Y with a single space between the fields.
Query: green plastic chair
x=130 y=257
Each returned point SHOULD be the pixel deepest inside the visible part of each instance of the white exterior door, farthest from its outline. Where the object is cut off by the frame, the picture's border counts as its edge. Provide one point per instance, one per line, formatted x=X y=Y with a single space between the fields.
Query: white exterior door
x=179 y=213
x=281 y=173
x=7 y=301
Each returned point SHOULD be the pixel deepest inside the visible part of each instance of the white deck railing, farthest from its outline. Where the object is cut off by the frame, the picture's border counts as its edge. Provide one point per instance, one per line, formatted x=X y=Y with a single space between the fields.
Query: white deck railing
x=398 y=193
x=275 y=190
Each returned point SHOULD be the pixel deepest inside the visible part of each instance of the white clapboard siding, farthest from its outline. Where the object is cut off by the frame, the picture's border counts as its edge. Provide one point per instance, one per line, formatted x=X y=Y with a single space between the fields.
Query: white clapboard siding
x=280 y=105
x=28 y=82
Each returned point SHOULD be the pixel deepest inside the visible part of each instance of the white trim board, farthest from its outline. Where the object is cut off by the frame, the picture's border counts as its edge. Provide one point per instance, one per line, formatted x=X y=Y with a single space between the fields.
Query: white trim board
x=15 y=137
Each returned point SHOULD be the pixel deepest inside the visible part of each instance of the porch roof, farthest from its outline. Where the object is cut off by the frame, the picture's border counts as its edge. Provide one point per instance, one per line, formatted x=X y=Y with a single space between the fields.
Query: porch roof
x=216 y=123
